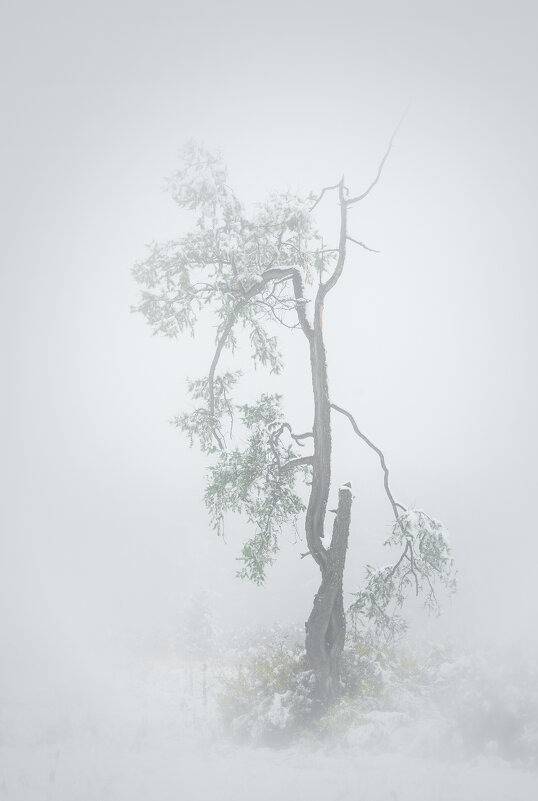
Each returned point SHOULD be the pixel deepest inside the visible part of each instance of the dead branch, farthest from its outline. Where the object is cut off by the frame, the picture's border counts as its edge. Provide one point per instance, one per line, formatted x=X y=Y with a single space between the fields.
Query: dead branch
x=351 y=201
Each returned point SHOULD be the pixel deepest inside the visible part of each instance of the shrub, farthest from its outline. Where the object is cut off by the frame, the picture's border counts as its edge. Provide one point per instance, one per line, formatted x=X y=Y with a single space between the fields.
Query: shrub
x=268 y=700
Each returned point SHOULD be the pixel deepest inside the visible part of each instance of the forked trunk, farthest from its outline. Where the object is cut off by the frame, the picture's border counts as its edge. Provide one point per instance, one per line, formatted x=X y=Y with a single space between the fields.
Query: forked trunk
x=326 y=626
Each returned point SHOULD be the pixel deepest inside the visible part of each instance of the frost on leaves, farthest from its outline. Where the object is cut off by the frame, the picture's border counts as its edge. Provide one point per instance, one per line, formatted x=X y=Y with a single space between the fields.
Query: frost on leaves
x=424 y=561
x=256 y=481
x=201 y=424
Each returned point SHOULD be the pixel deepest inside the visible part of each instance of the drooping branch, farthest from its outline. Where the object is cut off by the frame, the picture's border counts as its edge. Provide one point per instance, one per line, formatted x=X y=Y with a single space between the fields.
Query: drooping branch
x=424 y=561
x=371 y=445
x=351 y=201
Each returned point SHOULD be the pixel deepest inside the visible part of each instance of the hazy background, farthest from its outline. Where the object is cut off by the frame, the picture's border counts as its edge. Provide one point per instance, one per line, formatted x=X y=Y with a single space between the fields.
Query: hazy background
x=432 y=343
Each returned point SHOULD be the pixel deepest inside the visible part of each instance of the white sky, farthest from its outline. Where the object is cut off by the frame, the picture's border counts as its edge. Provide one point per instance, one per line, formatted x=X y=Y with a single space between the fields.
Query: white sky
x=432 y=344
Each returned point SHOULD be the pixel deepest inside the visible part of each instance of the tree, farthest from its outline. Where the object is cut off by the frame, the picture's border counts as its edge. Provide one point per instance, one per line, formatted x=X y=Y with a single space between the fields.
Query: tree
x=261 y=272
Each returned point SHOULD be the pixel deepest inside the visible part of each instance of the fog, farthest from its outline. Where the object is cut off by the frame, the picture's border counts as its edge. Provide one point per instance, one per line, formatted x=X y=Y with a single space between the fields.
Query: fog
x=431 y=343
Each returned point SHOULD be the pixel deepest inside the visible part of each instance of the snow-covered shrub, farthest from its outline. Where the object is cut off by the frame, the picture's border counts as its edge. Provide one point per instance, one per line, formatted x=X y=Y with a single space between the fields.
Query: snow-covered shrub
x=372 y=673
x=364 y=664
x=268 y=700
x=440 y=702
x=489 y=703
x=431 y=700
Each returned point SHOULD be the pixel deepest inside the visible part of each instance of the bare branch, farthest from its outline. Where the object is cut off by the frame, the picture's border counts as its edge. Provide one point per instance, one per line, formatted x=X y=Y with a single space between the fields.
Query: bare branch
x=362 y=245
x=384 y=467
x=319 y=198
x=358 y=198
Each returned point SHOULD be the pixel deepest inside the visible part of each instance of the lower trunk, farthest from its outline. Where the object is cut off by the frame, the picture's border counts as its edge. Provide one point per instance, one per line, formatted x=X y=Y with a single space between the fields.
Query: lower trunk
x=326 y=626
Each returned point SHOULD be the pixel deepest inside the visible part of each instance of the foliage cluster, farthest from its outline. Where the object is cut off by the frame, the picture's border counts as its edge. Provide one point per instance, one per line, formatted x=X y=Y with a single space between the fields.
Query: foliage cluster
x=257 y=480
x=424 y=560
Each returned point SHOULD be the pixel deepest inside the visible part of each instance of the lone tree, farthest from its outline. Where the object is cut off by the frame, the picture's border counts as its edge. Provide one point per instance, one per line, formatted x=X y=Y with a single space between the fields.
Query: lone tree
x=260 y=272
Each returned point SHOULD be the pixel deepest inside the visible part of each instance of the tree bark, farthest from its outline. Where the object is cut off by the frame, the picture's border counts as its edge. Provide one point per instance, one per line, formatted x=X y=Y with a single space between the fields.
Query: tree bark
x=326 y=626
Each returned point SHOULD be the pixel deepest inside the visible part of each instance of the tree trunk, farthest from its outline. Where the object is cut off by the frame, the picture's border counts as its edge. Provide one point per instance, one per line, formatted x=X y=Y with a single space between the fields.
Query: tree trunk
x=326 y=626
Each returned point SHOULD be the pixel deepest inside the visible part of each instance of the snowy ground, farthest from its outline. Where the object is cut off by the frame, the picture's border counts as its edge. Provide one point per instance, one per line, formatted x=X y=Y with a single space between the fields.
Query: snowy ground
x=151 y=737
x=167 y=771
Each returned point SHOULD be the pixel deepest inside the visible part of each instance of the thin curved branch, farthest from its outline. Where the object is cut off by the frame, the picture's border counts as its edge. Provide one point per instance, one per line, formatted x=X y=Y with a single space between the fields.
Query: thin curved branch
x=384 y=467
x=358 y=198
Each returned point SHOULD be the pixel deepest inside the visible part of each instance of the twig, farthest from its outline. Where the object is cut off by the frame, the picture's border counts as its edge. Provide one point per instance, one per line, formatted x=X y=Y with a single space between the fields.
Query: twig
x=362 y=245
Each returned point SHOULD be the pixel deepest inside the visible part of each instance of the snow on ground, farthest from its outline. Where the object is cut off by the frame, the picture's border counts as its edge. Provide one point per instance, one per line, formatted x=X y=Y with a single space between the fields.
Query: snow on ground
x=167 y=771
x=154 y=738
